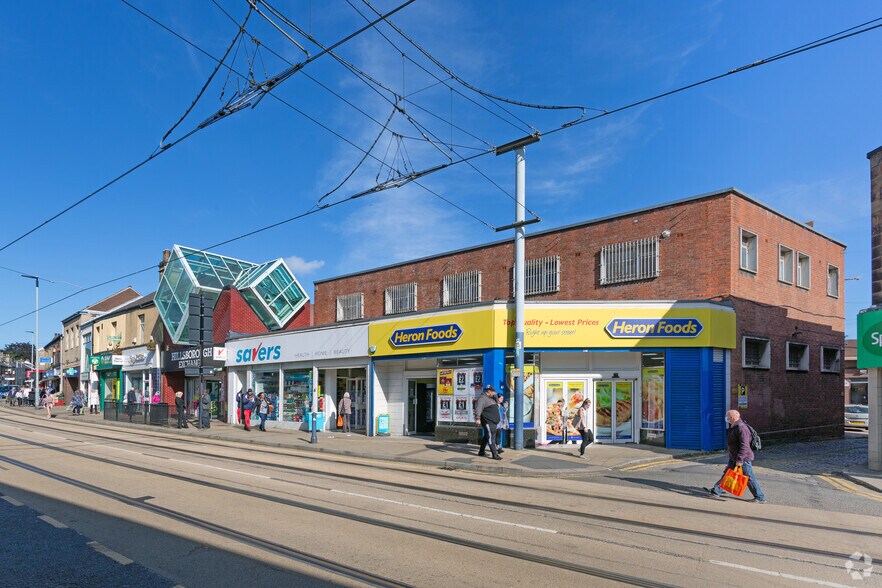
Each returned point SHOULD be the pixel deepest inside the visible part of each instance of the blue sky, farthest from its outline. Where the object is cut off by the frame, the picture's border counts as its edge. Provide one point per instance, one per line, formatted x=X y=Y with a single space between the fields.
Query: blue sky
x=92 y=87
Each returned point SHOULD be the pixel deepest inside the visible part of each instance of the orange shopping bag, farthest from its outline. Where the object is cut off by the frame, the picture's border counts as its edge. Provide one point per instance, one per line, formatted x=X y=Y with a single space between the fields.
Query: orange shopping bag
x=340 y=424
x=734 y=481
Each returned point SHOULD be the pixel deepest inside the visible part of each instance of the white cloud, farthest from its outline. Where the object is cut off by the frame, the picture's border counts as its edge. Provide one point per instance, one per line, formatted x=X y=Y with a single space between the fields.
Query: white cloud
x=301 y=267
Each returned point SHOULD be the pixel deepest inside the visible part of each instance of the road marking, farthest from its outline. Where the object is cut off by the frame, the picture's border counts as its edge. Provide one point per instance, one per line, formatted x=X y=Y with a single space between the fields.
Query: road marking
x=12 y=501
x=449 y=512
x=202 y=465
x=117 y=557
x=53 y=522
x=665 y=462
x=778 y=574
x=850 y=488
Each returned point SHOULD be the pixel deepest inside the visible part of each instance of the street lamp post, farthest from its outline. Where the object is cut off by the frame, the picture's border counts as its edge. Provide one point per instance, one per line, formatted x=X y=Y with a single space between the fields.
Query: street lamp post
x=36 y=335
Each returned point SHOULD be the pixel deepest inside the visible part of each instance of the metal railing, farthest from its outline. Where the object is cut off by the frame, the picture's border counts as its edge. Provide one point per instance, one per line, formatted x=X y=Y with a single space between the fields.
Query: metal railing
x=145 y=413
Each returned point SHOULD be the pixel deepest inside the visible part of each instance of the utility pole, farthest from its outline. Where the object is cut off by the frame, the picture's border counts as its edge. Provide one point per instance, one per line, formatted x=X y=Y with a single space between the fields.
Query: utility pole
x=519 y=147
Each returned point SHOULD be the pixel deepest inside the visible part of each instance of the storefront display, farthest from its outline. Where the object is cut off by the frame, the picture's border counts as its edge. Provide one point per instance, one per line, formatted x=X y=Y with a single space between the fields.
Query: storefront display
x=297 y=395
x=445 y=412
x=531 y=376
x=613 y=410
x=267 y=382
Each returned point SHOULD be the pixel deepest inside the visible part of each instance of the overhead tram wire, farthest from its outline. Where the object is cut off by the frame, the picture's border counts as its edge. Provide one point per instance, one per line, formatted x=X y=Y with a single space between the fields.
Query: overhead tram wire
x=189 y=134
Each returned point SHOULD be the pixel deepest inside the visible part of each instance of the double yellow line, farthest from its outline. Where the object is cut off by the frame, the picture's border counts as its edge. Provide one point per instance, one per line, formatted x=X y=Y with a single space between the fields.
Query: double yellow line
x=850 y=488
x=664 y=462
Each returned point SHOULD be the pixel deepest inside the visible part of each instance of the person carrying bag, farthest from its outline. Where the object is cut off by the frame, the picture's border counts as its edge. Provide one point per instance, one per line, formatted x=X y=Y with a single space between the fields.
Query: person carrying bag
x=580 y=422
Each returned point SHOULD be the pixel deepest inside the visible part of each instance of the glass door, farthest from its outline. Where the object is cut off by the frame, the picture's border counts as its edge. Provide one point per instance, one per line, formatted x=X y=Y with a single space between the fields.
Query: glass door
x=559 y=417
x=613 y=410
x=356 y=389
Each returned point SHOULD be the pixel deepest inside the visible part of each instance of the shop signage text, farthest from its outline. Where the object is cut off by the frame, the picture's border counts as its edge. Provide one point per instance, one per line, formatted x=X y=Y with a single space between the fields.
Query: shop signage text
x=181 y=359
x=321 y=344
x=869 y=339
x=426 y=335
x=72 y=372
x=259 y=353
x=621 y=328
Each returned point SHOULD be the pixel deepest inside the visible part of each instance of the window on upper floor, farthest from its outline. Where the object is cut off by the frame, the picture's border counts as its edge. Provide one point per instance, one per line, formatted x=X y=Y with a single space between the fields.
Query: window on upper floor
x=401 y=298
x=141 y=326
x=803 y=270
x=541 y=276
x=350 y=306
x=461 y=288
x=749 y=255
x=629 y=262
x=830 y=359
x=832 y=281
x=756 y=352
x=785 y=264
x=797 y=356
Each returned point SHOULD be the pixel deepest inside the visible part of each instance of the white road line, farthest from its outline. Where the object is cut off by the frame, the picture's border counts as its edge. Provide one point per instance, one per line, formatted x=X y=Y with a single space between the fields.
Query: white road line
x=117 y=557
x=778 y=574
x=53 y=522
x=202 y=465
x=12 y=501
x=449 y=512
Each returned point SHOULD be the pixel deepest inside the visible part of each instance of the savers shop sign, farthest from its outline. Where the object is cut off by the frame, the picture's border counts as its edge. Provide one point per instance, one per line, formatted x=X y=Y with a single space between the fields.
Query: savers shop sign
x=869 y=341
x=665 y=328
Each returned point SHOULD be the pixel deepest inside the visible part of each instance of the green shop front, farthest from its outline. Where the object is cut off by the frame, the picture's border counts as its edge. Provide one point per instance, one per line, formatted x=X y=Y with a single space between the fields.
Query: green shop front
x=108 y=368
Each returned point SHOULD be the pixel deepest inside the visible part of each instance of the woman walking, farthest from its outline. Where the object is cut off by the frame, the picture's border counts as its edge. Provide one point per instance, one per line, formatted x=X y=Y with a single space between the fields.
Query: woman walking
x=93 y=401
x=76 y=402
x=583 y=427
x=179 y=405
x=344 y=409
x=502 y=427
x=262 y=410
x=47 y=402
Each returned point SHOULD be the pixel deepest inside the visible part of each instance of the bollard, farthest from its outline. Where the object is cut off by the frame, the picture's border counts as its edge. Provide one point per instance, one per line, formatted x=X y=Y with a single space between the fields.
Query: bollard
x=313 y=438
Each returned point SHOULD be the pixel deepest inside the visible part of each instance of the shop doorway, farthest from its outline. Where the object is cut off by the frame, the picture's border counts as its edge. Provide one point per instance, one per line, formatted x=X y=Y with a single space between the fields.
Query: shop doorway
x=355 y=384
x=421 y=407
x=573 y=391
x=614 y=411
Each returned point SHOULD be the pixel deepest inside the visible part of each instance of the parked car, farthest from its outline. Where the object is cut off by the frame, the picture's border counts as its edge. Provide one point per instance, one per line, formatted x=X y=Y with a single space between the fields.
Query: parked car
x=857 y=415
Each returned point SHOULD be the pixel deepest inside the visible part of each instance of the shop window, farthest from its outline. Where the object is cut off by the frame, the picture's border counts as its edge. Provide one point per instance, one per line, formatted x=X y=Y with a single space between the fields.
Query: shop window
x=350 y=306
x=652 y=380
x=832 y=281
x=803 y=270
x=541 y=276
x=749 y=255
x=756 y=352
x=797 y=356
x=785 y=264
x=268 y=383
x=461 y=288
x=830 y=359
x=629 y=262
x=401 y=298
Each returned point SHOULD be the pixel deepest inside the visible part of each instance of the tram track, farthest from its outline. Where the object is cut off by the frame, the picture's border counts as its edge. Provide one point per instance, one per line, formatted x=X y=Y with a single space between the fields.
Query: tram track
x=348 y=515
x=480 y=497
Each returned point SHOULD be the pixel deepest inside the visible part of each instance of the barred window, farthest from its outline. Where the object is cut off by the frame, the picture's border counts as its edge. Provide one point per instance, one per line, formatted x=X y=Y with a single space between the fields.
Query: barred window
x=461 y=288
x=756 y=353
x=401 y=298
x=830 y=359
x=797 y=356
x=541 y=276
x=628 y=262
x=350 y=306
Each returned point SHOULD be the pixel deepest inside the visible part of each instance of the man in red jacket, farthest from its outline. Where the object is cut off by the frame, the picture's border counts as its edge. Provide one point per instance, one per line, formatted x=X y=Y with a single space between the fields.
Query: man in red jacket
x=740 y=454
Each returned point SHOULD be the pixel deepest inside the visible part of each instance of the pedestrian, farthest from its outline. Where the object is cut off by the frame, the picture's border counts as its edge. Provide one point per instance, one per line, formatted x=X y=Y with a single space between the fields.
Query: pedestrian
x=344 y=410
x=179 y=405
x=502 y=429
x=76 y=402
x=93 y=401
x=156 y=398
x=205 y=410
x=240 y=400
x=131 y=403
x=20 y=396
x=46 y=401
x=248 y=406
x=262 y=410
x=740 y=455
x=488 y=417
x=564 y=421
x=582 y=425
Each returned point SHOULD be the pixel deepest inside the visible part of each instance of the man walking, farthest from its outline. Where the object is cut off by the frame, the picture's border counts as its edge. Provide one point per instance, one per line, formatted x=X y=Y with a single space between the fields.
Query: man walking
x=740 y=454
x=205 y=410
x=488 y=417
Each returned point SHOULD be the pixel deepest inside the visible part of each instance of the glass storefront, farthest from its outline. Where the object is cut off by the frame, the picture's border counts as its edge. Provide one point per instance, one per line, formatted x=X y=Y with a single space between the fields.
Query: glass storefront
x=652 y=423
x=267 y=382
x=296 y=394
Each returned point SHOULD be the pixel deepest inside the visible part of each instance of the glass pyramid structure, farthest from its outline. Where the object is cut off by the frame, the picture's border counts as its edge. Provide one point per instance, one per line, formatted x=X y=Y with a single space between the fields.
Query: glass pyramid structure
x=270 y=289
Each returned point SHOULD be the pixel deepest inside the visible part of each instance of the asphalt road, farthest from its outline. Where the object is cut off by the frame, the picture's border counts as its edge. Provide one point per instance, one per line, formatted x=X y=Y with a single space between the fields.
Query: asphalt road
x=211 y=513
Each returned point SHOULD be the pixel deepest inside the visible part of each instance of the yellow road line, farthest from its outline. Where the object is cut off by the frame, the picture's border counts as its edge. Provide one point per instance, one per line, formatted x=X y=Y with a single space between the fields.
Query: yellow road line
x=850 y=488
x=664 y=462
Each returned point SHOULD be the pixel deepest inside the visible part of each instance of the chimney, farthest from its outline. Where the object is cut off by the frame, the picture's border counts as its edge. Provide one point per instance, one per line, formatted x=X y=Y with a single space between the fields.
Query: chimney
x=875 y=158
x=810 y=224
x=166 y=255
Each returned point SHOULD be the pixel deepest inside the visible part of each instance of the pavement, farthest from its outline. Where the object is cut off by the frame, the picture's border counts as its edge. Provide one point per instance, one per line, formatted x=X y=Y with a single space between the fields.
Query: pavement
x=553 y=461
x=865 y=477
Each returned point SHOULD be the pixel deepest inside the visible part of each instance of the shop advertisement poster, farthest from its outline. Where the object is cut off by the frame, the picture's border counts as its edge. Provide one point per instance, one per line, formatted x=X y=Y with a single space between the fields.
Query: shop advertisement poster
x=553 y=420
x=461 y=409
x=461 y=381
x=575 y=397
x=445 y=411
x=531 y=374
x=653 y=404
x=445 y=382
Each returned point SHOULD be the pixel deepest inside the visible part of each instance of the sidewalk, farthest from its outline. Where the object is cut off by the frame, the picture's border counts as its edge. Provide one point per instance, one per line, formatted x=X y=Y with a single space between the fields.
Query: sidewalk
x=865 y=477
x=553 y=461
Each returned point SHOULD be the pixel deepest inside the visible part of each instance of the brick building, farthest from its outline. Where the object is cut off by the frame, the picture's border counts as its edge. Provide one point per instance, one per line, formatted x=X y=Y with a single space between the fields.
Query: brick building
x=782 y=277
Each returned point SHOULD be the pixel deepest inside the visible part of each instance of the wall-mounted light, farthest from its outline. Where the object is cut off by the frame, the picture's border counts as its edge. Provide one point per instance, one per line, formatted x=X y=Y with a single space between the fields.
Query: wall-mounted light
x=665 y=234
x=372 y=349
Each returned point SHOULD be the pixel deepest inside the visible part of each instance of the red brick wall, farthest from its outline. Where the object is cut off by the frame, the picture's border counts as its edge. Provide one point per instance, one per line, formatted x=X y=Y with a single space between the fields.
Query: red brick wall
x=232 y=313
